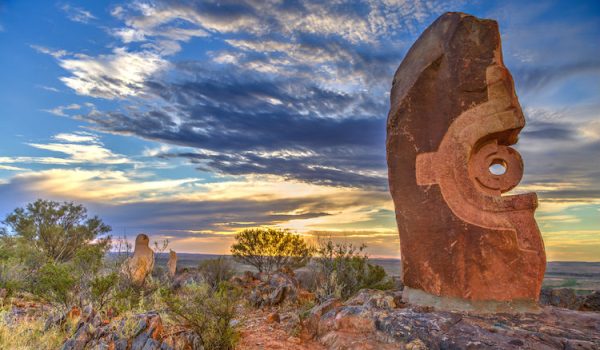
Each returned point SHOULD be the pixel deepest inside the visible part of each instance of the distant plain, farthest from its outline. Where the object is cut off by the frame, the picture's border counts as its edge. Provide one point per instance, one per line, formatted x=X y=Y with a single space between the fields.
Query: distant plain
x=584 y=277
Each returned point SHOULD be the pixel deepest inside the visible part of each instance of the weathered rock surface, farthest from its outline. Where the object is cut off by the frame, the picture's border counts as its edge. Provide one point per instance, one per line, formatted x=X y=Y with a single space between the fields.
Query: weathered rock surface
x=271 y=289
x=591 y=302
x=186 y=275
x=172 y=263
x=274 y=289
x=568 y=298
x=141 y=264
x=454 y=113
x=561 y=297
x=380 y=320
x=94 y=333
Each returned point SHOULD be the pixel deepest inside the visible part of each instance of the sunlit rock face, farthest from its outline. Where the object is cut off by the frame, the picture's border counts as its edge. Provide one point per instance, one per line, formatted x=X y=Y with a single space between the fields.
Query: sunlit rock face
x=140 y=265
x=454 y=113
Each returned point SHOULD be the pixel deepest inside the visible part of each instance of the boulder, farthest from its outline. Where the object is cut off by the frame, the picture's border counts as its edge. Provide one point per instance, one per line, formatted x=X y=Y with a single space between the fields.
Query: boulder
x=186 y=275
x=453 y=115
x=141 y=264
x=591 y=302
x=274 y=289
x=560 y=297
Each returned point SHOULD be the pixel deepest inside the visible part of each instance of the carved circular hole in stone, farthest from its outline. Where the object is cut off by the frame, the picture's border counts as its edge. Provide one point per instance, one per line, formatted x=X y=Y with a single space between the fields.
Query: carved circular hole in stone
x=498 y=167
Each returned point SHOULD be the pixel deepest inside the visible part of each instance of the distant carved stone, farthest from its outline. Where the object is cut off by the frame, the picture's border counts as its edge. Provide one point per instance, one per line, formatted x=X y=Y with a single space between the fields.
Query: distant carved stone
x=140 y=265
x=172 y=263
x=454 y=114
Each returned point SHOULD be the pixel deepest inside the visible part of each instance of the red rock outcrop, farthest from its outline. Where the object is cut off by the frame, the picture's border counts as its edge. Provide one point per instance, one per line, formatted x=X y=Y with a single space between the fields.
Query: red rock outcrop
x=454 y=113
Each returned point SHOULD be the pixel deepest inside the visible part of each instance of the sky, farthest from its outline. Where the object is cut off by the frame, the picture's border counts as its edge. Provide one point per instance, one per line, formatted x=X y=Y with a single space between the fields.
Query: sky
x=191 y=120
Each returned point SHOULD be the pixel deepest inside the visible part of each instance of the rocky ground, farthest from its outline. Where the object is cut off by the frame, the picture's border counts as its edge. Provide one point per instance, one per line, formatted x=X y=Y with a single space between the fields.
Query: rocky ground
x=279 y=314
x=380 y=320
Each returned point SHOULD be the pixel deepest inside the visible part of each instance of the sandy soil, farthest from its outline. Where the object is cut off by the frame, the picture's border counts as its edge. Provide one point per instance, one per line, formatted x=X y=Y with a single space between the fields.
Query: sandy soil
x=258 y=333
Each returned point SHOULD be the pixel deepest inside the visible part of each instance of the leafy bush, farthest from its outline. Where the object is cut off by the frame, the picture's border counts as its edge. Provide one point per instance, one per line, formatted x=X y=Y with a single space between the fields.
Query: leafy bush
x=101 y=288
x=52 y=250
x=18 y=263
x=57 y=230
x=216 y=271
x=55 y=284
x=270 y=249
x=207 y=312
x=344 y=269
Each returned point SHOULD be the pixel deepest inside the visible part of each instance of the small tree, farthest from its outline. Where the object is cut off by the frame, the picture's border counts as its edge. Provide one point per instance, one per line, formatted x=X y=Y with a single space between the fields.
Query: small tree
x=58 y=230
x=270 y=249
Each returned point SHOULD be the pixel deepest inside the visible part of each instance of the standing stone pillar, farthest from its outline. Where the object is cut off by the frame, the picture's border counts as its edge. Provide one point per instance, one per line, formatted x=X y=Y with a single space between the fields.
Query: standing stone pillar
x=172 y=263
x=454 y=114
x=141 y=264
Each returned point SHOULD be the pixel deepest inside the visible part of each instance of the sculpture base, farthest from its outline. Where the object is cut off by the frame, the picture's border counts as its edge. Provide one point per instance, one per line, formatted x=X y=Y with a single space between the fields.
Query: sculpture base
x=419 y=297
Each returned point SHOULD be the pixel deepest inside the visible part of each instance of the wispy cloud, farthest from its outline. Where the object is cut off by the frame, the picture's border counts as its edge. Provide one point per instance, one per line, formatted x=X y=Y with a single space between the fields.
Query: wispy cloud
x=79 y=148
x=117 y=75
x=60 y=110
x=77 y=14
x=11 y=168
x=48 y=88
x=48 y=51
x=77 y=137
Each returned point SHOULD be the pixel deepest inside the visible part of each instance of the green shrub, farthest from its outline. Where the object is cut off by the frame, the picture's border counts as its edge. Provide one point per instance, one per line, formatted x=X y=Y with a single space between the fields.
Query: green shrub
x=270 y=249
x=54 y=283
x=216 y=271
x=58 y=230
x=206 y=311
x=101 y=288
x=344 y=269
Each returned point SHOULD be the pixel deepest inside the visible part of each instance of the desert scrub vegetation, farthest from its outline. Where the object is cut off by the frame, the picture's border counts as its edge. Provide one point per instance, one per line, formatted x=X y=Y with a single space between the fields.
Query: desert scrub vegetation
x=58 y=230
x=216 y=271
x=30 y=334
x=206 y=311
x=342 y=269
x=52 y=250
x=270 y=249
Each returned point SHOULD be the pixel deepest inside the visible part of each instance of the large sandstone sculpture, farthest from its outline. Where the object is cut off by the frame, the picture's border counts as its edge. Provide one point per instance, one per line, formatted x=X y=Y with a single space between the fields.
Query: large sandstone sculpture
x=140 y=265
x=172 y=263
x=454 y=113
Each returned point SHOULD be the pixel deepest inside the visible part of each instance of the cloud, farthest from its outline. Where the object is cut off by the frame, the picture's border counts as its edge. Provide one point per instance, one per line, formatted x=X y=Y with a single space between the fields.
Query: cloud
x=60 y=110
x=319 y=96
x=77 y=137
x=543 y=49
x=11 y=168
x=48 y=51
x=115 y=75
x=77 y=14
x=79 y=147
x=78 y=153
x=188 y=205
x=48 y=88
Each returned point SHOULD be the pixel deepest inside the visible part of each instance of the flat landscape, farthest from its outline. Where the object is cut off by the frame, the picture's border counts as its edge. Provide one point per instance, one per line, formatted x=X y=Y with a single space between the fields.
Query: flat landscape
x=584 y=277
